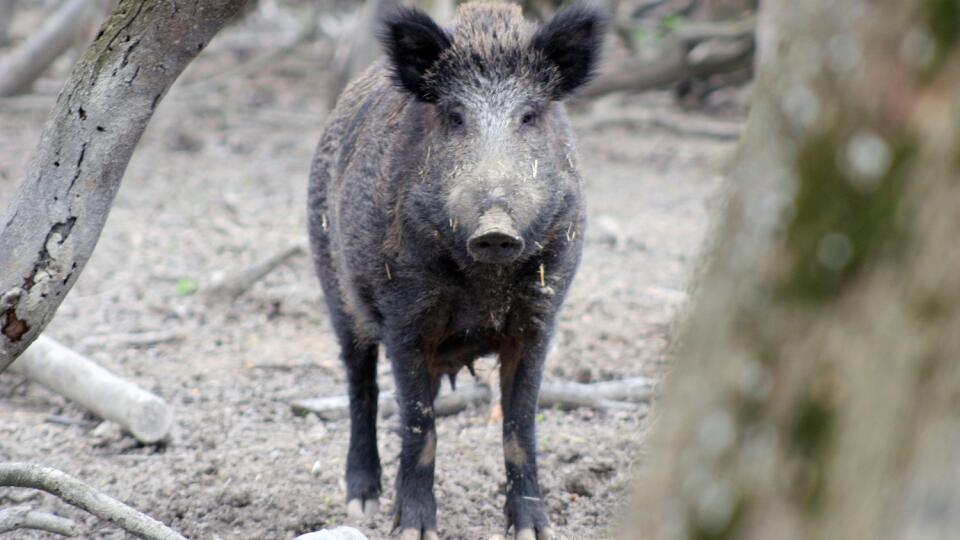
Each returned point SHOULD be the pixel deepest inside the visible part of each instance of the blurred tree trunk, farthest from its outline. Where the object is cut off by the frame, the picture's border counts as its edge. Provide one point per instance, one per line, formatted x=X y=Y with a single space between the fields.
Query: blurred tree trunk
x=816 y=388
x=52 y=225
x=7 y=10
x=363 y=48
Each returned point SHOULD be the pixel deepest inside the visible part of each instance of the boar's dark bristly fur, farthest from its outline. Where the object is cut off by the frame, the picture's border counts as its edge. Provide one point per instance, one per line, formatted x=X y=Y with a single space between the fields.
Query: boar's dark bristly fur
x=446 y=222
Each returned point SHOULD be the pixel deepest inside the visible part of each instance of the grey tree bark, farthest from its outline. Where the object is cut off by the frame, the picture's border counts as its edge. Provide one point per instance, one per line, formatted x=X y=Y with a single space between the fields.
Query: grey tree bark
x=7 y=10
x=815 y=388
x=52 y=225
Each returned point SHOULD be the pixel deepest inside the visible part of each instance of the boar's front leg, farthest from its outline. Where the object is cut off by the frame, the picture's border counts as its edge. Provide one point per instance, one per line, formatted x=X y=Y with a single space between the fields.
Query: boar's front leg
x=415 y=505
x=363 y=459
x=521 y=367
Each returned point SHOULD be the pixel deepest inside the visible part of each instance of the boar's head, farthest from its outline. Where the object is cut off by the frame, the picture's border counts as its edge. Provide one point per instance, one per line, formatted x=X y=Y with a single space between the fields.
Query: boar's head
x=496 y=168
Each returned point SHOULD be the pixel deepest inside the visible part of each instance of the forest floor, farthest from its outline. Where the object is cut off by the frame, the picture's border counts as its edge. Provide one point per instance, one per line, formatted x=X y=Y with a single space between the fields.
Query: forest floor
x=219 y=181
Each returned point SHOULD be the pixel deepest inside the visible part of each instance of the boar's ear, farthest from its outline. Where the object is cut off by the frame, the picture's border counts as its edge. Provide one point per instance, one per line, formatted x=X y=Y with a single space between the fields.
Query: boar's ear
x=413 y=43
x=572 y=41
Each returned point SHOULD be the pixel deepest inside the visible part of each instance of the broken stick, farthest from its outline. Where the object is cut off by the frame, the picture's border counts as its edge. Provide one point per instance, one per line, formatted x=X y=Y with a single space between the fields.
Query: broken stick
x=24 y=517
x=79 y=494
x=66 y=372
x=229 y=287
x=623 y=394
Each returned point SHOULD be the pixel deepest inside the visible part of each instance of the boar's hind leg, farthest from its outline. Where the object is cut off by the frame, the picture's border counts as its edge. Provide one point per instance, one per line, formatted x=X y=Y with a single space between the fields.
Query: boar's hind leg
x=521 y=368
x=363 y=460
x=415 y=505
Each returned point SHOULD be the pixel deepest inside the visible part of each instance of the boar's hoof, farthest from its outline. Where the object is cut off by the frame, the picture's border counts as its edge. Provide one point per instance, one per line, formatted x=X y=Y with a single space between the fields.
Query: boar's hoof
x=414 y=534
x=358 y=509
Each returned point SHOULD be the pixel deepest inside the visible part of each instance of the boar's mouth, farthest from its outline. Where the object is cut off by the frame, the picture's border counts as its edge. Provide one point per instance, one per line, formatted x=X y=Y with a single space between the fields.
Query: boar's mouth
x=495 y=240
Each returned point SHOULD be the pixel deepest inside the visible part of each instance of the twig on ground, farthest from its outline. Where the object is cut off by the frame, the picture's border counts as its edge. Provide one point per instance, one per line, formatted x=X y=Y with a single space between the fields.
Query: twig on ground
x=137 y=339
x=24 y=517
x=68 y=421
x=79 y=494
x=79 y=379
x=227 y=288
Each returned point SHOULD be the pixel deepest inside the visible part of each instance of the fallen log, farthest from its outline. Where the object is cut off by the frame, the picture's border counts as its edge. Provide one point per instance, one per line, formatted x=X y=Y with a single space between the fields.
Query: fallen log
x=623 y=394
x=695 y=49
x=24 y=517
x=613 y=395
x=64 y=371
x=79 y=494
x=446 y=404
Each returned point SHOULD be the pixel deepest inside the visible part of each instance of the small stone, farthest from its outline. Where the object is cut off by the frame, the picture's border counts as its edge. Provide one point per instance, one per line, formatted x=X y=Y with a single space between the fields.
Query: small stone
x=339 y=533
x=580 y=483
x=107 y=431
x=605 y=229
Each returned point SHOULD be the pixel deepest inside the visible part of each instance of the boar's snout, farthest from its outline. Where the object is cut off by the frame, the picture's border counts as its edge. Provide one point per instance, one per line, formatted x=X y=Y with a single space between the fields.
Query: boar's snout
x=495 y=241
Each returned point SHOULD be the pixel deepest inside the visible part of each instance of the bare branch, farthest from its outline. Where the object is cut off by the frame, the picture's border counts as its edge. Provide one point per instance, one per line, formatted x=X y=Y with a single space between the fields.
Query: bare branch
x=79 y=494
x=49 y=231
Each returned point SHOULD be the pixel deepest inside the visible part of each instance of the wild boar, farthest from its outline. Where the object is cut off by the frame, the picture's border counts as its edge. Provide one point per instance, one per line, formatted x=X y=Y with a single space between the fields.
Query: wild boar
x=446 y=218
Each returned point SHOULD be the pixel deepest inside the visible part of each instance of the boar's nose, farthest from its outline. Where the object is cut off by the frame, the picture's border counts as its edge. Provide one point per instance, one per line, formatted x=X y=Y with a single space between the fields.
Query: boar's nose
x=495 y=239
x=495 y=246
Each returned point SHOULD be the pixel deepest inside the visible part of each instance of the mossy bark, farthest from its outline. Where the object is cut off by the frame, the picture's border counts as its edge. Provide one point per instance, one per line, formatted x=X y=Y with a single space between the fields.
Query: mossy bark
x=816 y=387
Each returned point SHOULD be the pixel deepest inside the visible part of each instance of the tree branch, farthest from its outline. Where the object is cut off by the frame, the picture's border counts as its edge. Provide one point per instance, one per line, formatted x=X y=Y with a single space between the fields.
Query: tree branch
x=51 y=228
x=79 y=494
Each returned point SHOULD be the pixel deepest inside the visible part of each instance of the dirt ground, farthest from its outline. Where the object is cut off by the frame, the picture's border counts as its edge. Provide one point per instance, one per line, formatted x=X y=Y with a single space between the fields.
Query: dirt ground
x=218 y=182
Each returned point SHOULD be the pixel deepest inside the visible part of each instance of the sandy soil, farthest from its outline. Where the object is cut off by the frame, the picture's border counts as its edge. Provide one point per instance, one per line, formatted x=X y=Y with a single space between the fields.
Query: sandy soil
x=218 y=182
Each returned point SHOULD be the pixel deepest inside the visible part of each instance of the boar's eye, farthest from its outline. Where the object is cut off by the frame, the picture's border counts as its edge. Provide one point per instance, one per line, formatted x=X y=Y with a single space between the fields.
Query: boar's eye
x=455 y=119
x=529 y=118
